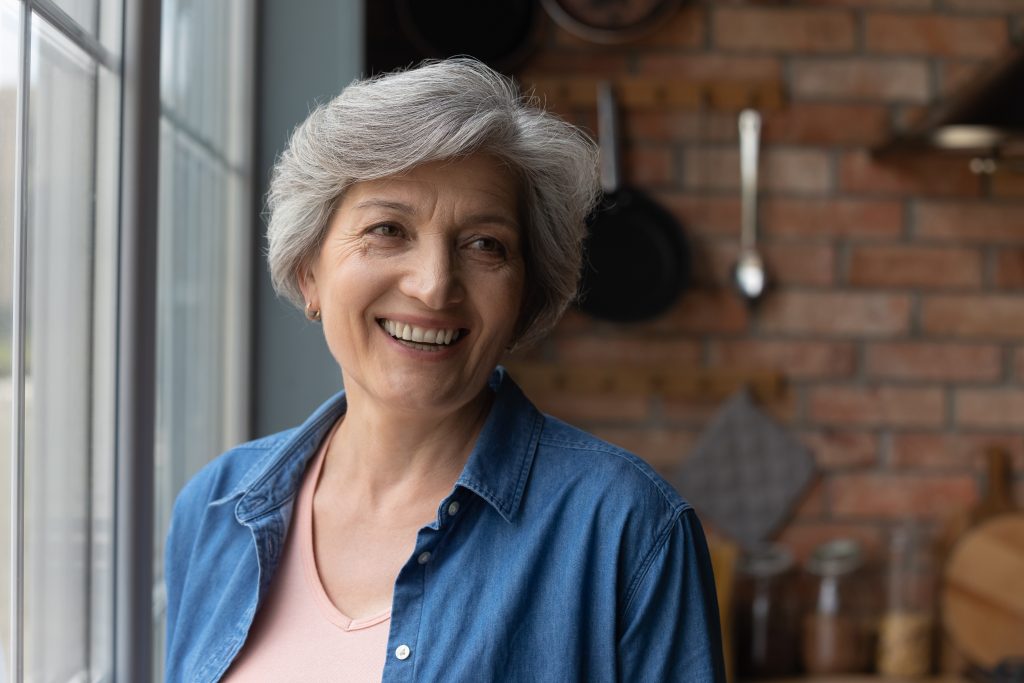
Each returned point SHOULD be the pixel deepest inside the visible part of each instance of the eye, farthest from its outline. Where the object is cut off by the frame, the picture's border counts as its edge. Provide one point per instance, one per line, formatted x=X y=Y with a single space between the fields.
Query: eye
x=386 y=230
x=488 y=245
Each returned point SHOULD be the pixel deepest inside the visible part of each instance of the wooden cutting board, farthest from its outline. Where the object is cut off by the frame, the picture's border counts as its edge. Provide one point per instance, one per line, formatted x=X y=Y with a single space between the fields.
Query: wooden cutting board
x=983 y=587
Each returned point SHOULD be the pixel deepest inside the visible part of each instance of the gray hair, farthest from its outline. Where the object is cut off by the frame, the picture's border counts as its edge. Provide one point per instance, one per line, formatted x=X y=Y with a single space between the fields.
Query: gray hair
x=439 y=110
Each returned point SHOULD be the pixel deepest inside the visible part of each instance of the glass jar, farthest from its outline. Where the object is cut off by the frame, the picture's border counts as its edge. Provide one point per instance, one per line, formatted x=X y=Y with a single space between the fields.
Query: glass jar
x=907 y=624
x=766 y=614
x=836 y=634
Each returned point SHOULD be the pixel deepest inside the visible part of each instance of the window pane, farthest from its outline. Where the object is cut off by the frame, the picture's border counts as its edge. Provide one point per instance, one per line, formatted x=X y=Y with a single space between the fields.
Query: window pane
x=68 y=506
x=9 y=66
x=204 y=223
x=84 y=12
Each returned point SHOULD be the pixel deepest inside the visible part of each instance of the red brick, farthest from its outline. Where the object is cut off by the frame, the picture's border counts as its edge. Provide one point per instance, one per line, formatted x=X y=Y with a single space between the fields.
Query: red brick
x=648 y=165
x=886 y=80
x=836 y=313
x=685 y=29
x=665 y=449
x=705 y=311
x=897 y=497
x=813 y=504
x=880 y=4
x=564 y=63
x=817 y=123
x=915 y=174
x=975 y=222
x=1010 y=269
x=662 y=125
x=798 y=359
x=786 y=170
x=783 y=29
x=710 y=67
x=955 y=452
x=933 y=34
x=990 y=408
x=933 y=361
x=1007 y=184
x=842 y=449
x=977 y=317
x=586 y=409
x=803 y=537
x=623 y=348
x=699 y=411
x=915 y=266
x=831 y=218
x=704 y=215
x=787 y=264
x=986 y=5
x=877 y=406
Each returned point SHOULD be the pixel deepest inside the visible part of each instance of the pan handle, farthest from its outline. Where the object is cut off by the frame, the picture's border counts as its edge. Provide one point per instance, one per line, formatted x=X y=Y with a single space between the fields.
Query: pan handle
x=608 y=136
x=750 y=136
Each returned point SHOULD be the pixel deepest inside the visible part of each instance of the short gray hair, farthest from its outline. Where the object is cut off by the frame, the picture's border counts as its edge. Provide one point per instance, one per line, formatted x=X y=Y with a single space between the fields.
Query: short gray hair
x=439 y=110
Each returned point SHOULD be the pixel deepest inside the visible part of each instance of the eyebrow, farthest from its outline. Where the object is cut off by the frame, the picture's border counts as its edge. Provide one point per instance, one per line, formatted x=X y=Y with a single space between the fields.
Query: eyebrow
x=401 y=207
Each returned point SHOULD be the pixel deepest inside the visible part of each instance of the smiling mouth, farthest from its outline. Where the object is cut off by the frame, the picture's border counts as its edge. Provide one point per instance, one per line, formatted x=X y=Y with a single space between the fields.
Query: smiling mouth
x=421 y=338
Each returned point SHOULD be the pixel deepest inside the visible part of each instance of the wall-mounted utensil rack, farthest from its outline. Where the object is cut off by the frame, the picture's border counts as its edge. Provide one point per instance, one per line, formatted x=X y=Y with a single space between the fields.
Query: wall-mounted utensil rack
x=697 y=384
x=660 y=93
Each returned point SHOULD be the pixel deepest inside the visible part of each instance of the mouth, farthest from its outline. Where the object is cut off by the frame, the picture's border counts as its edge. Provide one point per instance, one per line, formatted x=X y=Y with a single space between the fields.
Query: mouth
x=422 y=338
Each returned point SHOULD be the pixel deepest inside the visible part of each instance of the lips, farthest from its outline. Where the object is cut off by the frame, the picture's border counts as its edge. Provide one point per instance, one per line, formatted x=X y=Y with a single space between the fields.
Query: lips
x=429 y=338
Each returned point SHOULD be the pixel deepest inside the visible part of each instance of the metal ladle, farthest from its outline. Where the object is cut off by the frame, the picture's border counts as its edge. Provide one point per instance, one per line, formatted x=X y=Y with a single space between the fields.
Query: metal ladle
x=749 y=273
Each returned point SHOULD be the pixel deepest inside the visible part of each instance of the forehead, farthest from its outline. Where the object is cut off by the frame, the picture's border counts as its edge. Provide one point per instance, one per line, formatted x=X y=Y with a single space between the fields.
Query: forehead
x=478 y=180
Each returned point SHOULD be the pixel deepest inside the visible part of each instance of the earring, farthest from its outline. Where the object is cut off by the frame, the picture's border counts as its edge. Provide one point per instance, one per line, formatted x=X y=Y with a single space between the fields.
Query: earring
x=311 y=314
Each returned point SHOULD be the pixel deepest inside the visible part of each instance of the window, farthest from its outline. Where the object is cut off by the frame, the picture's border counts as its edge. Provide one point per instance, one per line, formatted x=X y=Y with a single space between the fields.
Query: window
x=62 y=169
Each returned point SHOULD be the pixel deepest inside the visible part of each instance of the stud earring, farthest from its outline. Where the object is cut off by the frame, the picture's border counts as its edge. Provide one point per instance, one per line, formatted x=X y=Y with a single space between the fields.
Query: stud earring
x=311 y=314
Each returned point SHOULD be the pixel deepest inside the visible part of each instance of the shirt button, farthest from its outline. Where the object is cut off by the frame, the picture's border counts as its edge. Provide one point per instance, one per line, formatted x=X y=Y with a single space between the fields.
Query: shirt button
x=422 y=559
x=403 y=652
x=453 y=507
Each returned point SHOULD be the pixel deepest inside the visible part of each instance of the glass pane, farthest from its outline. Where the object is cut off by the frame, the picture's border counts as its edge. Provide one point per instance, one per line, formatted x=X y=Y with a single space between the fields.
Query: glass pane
x=10 y=20
x=204 y=226
x=84 y=12
x=68 y=507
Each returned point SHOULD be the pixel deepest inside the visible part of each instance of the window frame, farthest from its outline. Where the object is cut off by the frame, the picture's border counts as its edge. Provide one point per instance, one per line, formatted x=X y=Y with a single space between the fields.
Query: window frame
x=138 y=69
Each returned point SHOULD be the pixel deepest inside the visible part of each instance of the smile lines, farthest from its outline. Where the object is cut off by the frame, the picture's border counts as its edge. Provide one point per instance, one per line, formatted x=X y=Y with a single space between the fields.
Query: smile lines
x=419 y=335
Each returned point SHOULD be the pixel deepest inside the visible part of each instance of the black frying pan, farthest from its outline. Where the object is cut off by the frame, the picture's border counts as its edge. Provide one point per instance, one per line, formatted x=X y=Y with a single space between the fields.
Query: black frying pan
x=636 y=260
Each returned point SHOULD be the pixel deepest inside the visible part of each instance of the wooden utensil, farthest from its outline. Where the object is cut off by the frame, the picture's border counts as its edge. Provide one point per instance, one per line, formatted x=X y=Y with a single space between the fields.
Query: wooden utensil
x=983 y=588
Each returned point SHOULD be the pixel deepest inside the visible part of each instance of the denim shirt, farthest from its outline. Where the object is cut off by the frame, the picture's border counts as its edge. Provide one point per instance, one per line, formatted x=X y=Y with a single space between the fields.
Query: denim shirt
x=556 y=557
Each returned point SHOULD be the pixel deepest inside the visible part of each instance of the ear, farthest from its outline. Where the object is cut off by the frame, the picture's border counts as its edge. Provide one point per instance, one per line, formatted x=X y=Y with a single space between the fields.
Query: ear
x=307 y=285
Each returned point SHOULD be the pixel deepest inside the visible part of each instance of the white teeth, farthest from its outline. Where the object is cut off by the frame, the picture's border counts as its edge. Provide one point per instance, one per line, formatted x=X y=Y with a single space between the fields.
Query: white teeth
x=419 y=335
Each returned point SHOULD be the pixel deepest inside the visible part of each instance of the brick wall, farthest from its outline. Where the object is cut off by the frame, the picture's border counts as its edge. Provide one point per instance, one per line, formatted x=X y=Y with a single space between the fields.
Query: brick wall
x=897 y=315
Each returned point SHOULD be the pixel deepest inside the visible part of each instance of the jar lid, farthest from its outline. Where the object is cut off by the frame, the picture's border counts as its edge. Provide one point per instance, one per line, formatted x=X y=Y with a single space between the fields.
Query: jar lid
x=833 y=558
x=765 y=561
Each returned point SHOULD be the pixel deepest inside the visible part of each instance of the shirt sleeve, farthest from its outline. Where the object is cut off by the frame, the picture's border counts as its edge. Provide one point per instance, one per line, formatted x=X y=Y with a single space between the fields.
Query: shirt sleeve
x=670 y=626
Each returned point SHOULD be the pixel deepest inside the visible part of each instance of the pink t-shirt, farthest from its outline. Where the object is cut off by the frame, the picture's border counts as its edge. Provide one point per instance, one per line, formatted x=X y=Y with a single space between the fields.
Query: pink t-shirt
x=298 y=633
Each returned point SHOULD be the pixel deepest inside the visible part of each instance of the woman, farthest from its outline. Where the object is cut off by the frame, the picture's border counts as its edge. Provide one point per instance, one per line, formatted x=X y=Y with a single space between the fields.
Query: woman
x=428 y=523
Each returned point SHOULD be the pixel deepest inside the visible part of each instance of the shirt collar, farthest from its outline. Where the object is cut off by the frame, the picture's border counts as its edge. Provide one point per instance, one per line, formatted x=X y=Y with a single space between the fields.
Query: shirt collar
x=497 y=468
x=500 y=462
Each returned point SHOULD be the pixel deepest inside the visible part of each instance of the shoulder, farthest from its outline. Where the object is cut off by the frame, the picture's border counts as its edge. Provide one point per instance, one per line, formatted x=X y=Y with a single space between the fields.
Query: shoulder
x=612 y=476
x=230 y=472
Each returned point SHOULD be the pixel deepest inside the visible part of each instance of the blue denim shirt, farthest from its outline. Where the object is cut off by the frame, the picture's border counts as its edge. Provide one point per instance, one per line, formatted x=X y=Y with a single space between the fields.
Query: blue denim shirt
x=556 y=557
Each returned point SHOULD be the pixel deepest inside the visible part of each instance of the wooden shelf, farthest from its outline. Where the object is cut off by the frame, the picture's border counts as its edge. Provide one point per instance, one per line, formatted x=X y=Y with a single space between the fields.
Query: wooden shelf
x=699 y=384
x=660 y=93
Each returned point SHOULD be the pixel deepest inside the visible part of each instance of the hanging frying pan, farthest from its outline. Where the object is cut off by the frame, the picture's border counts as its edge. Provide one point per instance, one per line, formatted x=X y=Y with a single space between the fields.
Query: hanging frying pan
x=636 y=260
x=609 y=22
x=501 y=33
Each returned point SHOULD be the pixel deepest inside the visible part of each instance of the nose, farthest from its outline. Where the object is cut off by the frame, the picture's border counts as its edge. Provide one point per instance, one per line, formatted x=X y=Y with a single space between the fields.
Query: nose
x=433 y=276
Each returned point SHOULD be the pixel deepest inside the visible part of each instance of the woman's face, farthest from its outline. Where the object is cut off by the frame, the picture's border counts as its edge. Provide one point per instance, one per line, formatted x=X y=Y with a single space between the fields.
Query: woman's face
x=419 y=282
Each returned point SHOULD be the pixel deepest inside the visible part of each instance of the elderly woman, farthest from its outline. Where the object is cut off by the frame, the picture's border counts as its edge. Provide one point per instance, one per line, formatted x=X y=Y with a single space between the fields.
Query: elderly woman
x=428 y=523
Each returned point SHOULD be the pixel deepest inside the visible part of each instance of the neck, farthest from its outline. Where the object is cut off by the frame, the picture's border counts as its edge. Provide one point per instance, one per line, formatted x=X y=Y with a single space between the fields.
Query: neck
x=381 y=456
